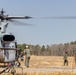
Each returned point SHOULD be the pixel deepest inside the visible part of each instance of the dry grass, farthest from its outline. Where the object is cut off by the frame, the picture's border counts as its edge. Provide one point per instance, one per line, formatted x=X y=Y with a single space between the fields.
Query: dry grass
x=53 y=73
x=47 y=73
x=43 y=61
x=47 y=61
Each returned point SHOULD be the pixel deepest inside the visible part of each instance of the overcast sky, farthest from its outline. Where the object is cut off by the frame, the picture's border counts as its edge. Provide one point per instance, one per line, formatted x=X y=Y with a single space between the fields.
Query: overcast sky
x=45 y=31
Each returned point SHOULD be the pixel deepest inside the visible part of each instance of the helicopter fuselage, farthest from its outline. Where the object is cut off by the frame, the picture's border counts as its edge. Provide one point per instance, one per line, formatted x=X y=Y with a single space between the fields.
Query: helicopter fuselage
x=7 y=47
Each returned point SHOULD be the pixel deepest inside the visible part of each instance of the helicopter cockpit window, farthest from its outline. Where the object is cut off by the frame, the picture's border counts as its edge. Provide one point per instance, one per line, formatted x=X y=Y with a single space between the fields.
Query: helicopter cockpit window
x=9 y=44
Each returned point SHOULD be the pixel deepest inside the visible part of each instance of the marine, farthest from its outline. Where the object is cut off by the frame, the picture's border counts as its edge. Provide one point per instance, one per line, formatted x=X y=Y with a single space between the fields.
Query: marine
x=27 y=53
x=65 y=59
x=74 y=51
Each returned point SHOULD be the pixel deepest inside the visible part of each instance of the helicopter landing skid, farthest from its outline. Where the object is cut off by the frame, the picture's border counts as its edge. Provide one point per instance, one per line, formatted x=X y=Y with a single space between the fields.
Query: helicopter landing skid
x=11 y=67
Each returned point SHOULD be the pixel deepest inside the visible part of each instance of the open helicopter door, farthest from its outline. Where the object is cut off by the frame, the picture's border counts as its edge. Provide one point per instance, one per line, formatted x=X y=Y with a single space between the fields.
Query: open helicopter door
x=9 y=55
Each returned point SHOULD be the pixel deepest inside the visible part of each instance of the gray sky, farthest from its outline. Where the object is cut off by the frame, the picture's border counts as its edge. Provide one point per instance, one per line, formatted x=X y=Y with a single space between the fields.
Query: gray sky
x=45 y=31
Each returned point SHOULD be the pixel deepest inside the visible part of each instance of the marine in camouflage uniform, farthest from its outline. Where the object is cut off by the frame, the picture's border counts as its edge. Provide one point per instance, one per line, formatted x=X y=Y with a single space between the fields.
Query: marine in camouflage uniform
x=74 y=51
x=65 y=59
x=27 y=52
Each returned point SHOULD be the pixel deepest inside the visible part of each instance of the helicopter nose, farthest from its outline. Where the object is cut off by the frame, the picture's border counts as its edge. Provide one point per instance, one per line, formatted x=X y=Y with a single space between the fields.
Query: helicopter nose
x=8 y=37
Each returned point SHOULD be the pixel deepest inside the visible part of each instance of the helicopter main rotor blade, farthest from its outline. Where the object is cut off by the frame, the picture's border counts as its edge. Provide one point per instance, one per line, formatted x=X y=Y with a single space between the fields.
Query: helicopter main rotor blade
x=62 y=17
x=3 y=17
x=20 y=23
x=18 y=17
x=29 y=17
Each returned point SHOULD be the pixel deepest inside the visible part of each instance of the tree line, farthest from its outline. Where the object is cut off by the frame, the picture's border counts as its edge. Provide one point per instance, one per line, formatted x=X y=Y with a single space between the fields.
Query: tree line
x=51 y=50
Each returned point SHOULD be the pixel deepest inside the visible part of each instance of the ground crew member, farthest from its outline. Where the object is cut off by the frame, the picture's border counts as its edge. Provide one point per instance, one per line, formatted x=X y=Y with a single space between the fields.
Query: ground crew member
x=27 y=53
x=22 y=56
x=65 y=59
x=74 y=51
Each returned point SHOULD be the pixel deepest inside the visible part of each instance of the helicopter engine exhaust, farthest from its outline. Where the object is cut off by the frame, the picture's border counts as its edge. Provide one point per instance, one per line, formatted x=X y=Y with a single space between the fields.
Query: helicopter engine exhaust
x=8 y=37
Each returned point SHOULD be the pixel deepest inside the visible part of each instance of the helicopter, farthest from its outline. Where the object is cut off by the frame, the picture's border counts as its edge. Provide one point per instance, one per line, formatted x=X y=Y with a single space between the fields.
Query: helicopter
x=8 y=43
x=9 y=53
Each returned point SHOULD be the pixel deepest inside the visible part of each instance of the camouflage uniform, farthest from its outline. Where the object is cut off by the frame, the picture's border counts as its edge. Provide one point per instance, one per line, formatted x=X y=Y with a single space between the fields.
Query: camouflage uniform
x=65 y=59
x=27 y=56
x=74 y=56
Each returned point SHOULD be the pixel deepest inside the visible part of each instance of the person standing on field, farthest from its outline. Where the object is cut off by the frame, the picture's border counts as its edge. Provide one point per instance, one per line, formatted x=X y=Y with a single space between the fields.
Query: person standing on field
x=74 y=52
x=65 y=59
x=27 y=53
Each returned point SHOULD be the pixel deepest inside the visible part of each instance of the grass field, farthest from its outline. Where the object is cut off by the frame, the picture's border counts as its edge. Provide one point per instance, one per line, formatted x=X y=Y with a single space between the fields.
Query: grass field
x=48 y=61
x=40 y=73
